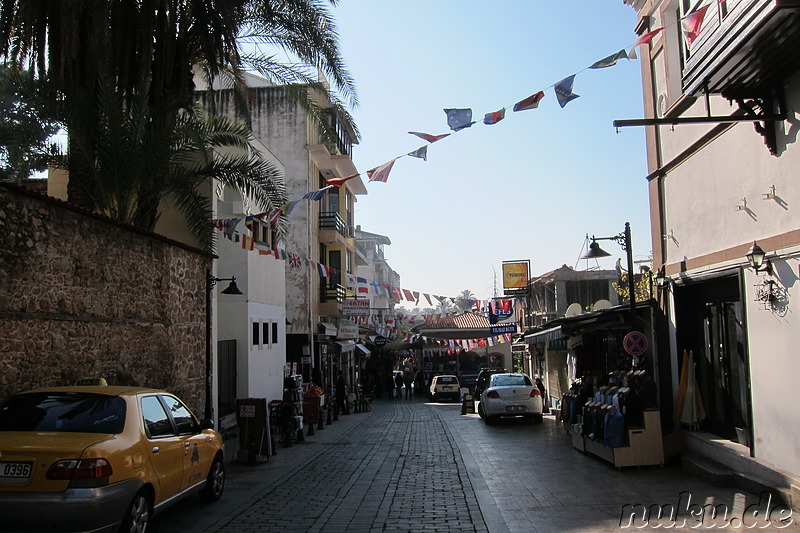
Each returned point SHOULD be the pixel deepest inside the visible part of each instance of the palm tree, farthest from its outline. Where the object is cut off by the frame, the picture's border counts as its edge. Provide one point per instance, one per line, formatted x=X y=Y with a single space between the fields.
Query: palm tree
x=91 y=49
x=465 y=300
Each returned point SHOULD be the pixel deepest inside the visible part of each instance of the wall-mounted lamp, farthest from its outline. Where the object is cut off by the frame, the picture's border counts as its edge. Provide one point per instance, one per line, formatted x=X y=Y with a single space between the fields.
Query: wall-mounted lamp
x=757 y=259
x=771 y=195
x=661 y=279
x=743 y=206
x=232 y=288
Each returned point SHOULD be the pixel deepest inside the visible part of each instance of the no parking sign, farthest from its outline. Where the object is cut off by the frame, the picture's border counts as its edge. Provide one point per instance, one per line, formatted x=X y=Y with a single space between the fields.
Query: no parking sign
x=635 y=343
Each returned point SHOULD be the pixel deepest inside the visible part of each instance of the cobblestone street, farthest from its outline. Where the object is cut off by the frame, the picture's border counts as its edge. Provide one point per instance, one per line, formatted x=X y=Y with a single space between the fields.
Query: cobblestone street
x=414 y=466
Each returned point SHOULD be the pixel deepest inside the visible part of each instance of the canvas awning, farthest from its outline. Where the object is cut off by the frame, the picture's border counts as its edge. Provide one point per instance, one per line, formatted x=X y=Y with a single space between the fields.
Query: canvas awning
x=551 y=334
x=328 y=329
x=347 y=346
x=364 y=349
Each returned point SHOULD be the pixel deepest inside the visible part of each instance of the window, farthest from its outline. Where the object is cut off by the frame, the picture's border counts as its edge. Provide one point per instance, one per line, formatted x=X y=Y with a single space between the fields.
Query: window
x=256 y=334
x=275 y=332
x=184 y=420
x=63 y=412
x=265 y=333
x=156 y=420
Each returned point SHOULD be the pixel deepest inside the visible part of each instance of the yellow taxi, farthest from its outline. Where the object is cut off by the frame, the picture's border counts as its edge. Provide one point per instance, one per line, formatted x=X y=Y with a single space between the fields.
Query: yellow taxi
x=101 y=458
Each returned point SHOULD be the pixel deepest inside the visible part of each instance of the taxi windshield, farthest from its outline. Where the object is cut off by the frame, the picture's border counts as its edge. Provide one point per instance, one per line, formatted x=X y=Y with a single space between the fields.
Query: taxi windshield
x=77 y=412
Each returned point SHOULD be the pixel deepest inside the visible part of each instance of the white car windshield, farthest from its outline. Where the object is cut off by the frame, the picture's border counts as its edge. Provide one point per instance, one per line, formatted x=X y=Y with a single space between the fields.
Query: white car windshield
x=503 y=380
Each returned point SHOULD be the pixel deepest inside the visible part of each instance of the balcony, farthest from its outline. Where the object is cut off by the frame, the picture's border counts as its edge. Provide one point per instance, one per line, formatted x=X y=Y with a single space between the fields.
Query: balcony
x=754 y=48
x=331 y=298
x=333 y=229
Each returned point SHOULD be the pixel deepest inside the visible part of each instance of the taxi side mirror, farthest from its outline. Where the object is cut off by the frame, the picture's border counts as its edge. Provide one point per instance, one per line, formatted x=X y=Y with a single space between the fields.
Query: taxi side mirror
x=206 y=424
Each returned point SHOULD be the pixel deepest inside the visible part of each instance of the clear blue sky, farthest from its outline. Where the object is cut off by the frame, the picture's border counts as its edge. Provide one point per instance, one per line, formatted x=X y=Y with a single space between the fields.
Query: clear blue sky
x=531 y=186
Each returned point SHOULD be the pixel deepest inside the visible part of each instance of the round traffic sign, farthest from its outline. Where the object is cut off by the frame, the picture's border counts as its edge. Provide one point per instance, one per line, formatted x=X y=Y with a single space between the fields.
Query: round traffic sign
x=635 y=343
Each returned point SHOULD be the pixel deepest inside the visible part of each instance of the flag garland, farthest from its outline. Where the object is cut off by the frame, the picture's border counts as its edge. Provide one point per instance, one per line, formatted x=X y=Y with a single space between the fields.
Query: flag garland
x=457 y=119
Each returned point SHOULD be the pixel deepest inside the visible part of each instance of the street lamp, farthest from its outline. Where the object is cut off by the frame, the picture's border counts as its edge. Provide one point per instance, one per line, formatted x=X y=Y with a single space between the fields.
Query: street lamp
x=624 y=240
x=230 y=289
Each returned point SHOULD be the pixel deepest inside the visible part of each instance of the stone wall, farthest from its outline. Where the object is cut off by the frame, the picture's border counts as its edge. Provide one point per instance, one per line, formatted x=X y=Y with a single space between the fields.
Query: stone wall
x=81 y=295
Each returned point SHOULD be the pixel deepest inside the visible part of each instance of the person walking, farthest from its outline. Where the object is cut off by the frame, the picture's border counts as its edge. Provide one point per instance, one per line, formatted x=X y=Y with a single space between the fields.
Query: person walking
x=408 y=380
x=398 y=384
x=341 y=394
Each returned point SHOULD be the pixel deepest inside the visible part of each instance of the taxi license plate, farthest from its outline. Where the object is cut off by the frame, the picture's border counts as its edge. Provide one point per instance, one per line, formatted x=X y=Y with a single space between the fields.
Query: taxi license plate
x=15 y=470
x=515 y=408
x=447 y=388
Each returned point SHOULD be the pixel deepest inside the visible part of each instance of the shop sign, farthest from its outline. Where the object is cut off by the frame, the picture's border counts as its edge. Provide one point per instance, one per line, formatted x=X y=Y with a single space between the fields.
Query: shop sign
x=355 y=308
x=347 y=330
x=380 y=340
x=247 y=411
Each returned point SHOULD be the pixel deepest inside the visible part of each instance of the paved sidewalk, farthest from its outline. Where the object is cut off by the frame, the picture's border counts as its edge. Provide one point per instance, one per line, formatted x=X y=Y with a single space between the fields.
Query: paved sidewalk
x=396 y=468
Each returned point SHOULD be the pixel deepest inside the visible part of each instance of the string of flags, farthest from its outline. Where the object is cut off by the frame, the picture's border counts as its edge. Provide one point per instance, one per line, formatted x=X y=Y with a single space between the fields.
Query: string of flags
x=458 y=119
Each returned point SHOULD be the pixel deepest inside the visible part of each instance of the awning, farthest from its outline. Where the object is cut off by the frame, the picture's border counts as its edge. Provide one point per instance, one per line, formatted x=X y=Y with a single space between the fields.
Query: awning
x=546 y=335
x=347 y=346
x=364 y=349
x=328 y=329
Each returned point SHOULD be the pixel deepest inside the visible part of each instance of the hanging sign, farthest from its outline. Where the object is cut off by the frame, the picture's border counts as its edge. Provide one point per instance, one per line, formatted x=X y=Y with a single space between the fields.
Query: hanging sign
x=635 y=343
x=502 y=318
x=355 y=308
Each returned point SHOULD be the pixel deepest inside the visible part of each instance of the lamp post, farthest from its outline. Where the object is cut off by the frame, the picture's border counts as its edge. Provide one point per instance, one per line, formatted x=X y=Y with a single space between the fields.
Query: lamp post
x=624 y=240
x=230 y=289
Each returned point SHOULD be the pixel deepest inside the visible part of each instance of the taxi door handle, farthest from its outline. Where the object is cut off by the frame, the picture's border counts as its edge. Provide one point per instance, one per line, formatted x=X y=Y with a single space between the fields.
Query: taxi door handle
x=186 y=444
x=155 y=449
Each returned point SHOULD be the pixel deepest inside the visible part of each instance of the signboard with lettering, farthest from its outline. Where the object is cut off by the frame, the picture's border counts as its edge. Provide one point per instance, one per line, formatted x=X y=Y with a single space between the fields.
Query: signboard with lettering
x=502 y=316
x=355 y=308
x=516 y=274
x=347 y=330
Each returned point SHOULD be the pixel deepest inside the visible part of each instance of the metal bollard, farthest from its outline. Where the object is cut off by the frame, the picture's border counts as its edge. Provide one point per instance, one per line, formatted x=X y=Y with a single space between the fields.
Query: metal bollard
x=320 y=425
x=328 y=410
x=311 y=429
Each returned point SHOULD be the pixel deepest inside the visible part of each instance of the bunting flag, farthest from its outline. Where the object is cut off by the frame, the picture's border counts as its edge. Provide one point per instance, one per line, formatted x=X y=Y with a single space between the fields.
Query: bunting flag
x=323 y=270
x=396 y=294
x=363 y=287
x=376 y=287
x=381 y=173
x=273 y=216
x=494 y=117
x=416 y=296
x=289 y=207
x=564 y=92
x=692 y=23
x=294 y=260
x=611 y=60
x=531 y=102
x=458 y=119
x=428 y=297
x=428 y=137
x=351 y=280
x=338 y=182
x=316 y=195
x=230 y=229
x=644 y=39
x=421 y=153
x=408 y=295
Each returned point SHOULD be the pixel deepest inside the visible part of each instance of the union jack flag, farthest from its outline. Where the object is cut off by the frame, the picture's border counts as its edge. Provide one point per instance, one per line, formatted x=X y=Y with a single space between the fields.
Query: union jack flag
x=294 y=260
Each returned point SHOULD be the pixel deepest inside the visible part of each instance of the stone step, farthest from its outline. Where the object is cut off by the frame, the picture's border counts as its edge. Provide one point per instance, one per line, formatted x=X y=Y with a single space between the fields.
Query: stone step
x=719 y=475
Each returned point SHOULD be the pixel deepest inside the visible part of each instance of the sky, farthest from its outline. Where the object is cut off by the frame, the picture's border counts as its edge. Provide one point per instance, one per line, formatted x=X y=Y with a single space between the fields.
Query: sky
x=530 y=187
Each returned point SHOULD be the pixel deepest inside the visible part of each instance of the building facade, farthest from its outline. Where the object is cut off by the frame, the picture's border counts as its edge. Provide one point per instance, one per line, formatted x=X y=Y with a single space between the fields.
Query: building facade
x=720 y=80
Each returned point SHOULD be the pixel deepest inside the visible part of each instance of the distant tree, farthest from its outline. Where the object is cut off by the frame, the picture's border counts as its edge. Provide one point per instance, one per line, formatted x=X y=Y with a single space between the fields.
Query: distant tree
x=465 y=300
x=641 y=285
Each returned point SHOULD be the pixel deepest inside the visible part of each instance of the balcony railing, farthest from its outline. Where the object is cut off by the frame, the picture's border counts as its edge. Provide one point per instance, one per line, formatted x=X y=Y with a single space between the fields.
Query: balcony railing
x=332 y=221
x=332 y=293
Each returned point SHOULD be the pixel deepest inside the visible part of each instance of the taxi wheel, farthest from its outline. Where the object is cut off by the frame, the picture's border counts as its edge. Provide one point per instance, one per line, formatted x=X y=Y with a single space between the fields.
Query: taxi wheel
x=215 y=482
x=138 y=515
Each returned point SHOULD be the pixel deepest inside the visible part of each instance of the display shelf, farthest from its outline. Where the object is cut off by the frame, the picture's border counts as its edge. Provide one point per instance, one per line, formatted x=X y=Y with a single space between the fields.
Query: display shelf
x=644 y=444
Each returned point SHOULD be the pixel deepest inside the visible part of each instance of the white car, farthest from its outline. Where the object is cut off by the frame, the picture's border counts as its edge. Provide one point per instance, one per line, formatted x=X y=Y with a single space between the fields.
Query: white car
x=510 y=395
x=444 y=387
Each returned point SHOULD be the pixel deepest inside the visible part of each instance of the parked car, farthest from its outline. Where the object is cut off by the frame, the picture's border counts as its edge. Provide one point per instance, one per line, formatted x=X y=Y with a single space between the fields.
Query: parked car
x=444 y=386
x=483 y=379
x=510 y=395
x=98 y=458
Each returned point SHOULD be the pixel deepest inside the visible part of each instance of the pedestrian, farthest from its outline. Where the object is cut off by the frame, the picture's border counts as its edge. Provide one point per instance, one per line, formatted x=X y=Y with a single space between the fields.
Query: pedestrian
x=543 y=393
x=408 y=380
x=341 y=394
x=398 y=384
x=390 y=387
